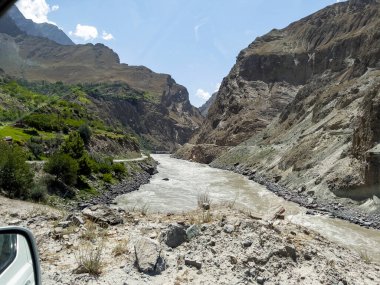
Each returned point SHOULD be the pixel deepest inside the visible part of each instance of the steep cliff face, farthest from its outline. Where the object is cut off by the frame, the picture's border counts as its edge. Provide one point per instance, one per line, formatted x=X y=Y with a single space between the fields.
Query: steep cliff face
x=327 y=137
x=268 y=74
x=163 y=113
x=206 y=106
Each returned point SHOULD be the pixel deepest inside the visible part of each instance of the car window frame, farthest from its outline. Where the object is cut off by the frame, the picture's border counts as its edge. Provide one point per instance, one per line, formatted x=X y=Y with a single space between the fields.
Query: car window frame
x=12 y=257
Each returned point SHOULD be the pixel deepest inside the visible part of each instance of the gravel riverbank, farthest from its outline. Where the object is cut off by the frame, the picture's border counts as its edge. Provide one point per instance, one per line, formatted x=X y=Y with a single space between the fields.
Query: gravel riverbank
x=315 y=205
x=146 y=169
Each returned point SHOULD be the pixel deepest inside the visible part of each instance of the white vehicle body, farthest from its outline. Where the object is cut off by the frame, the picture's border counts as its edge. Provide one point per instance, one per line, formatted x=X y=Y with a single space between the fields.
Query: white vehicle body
x=19 y=268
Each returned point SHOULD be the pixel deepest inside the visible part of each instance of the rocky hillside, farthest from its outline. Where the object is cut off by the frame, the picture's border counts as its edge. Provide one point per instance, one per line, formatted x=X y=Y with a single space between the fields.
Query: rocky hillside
x=44 y=30
x=307 y=98
x=164 y=114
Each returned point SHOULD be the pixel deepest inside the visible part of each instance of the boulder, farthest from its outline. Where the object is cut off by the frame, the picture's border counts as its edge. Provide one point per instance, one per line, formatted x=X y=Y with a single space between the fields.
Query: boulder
x=192 y=232
x=174 y=236
x=148 y=256
x=102 y=215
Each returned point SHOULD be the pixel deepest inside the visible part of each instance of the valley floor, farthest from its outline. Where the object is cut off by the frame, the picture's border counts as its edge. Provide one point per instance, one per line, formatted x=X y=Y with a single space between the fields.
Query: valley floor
x=226 y=246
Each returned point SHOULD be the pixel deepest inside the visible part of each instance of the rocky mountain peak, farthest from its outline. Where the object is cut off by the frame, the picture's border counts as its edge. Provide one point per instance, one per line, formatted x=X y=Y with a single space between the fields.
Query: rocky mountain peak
x=44 y=30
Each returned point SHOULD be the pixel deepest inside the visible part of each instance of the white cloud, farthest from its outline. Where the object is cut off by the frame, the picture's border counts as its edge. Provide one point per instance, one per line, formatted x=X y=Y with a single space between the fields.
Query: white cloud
x=106 y=36
x=204 y=95
x=197 y=27
x=36 y=10
x=85 y=32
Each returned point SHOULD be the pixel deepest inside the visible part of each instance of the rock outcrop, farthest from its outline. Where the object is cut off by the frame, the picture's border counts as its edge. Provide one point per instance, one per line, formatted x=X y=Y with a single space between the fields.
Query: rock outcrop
x=307 y=98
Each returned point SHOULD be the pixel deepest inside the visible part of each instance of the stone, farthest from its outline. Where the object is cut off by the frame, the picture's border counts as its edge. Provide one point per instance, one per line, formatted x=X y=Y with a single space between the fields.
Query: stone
x=148 y=256
x=247 y=243
x=292 y=252
x=174 y=236
x=165 y=179
x=260 y=280
x=193 y=263
x=228 y=228
x=77 y=220
x=102 y=215
x=14 y=222
x=192 y=232
x=65 y=224
x=233 y=259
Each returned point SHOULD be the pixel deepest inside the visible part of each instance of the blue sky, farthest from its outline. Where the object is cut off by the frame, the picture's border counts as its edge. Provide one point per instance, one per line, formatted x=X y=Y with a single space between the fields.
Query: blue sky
x=196 y=41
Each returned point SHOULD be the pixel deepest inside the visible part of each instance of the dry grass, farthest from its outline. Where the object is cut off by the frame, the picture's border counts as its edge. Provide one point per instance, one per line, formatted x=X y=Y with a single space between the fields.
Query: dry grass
x=91 y=231
x=89 y=259
x=203 y=198
x=121 y=248
x=364 y=255
x=144 y=209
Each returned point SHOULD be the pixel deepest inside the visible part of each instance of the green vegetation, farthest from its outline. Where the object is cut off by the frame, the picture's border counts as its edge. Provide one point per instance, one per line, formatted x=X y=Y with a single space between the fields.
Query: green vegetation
x=85 y=133
x=56 y=123
x=63 y=167
x=16 y=177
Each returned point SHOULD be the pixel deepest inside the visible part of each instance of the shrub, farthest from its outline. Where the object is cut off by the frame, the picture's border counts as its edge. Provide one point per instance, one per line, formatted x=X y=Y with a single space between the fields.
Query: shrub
x=43 y=122
x=64 y=167
x=85 y=133
x=32 y=132
x=107 y=177
x=16 y=177
x=119 y=169
x=74 y=146
x=59 y=188
x=35 y=146
x=39 y=193
x=85 y=165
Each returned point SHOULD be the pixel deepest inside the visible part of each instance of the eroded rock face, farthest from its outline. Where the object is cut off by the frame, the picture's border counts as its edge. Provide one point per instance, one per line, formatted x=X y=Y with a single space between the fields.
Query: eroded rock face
x=341 y=39
x=321 y=138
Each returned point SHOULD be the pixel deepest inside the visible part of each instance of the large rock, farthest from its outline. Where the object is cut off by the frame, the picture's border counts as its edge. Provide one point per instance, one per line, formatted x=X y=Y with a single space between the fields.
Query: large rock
x=148 y=256
x=174 y=236
x=102 y=215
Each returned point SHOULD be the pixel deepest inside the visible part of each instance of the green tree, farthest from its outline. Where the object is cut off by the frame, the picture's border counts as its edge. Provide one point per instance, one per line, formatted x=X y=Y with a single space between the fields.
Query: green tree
x=74 y=146
x=16 y=177
x=64 y=167
x=85 y=133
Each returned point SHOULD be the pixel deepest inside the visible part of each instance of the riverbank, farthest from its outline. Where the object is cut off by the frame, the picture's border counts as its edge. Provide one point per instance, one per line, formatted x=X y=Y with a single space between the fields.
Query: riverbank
x=139 y=175
x=315 y=205
x=222 y=245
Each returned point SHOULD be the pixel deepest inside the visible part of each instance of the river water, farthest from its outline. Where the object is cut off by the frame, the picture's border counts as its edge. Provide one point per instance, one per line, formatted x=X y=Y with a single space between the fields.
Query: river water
x=188 y=179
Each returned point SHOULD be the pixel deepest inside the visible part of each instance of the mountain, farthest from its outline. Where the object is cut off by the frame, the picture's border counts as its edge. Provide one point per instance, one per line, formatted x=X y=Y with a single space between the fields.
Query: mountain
x=206 y=106
x=44 y=30
x=159 y=111
x=301 y=104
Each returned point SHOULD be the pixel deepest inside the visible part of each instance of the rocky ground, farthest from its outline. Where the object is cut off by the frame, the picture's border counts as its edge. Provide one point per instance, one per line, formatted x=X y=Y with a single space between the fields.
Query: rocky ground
x=217 y=246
